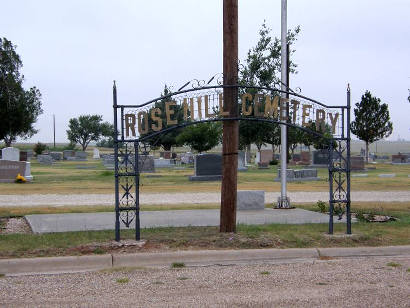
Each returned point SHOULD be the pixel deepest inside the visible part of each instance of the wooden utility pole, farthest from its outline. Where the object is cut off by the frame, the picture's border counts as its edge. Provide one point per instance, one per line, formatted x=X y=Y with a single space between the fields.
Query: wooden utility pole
x=230 y=128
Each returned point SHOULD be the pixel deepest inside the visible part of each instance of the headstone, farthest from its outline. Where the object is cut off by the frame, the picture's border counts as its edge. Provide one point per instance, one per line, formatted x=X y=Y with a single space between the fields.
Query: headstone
x=304 y=158
x=296 y=175
x=187 y=158
x=80 y=155
x=263 y=165
x=264 y=156
x=164 y=163
x=23 y=156
x=250 y=200
x=146 y=163
x=399 y=158
x=387 y=175
x=68 y=153
x=208 y=167
x=296 y=158
x=247 y=157
x=241 y=161
x=357 y=163
x=56 y=155
x=360 y=175
x=174 y=155
x=109 y=161
x=10 y=153
x=30 y=154
x=167 y=154
x=45 y=159
x=96 y=153
x=9 y=169
x=320 y=158
x=27 y=173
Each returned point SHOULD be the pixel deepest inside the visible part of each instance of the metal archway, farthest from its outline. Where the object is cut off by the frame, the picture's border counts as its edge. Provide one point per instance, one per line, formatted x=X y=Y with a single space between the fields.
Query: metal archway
x=204 y=103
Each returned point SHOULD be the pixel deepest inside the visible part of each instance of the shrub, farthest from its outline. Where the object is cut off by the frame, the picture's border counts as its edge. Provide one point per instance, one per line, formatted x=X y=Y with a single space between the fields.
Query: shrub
x=273 y=162
x=39 y=148
x=70 y=146
x=323 y=208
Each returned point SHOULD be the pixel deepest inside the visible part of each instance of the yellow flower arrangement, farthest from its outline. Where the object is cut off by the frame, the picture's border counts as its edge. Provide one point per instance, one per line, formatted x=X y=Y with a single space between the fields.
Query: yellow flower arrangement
x=20 y=179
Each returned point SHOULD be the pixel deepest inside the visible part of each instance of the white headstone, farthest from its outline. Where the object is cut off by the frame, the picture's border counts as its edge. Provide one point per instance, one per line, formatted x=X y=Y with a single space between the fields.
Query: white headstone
x=10 y=153
x=96 y=153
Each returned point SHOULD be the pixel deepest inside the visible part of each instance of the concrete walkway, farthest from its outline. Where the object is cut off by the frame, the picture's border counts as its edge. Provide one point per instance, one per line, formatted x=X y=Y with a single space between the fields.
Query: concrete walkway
x=47 y=223
x=188 y=198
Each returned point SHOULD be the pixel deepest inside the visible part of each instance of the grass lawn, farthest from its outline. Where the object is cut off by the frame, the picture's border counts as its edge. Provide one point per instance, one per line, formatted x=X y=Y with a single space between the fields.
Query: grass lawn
x=70 y=177
x=264 y=236
x=92 y=177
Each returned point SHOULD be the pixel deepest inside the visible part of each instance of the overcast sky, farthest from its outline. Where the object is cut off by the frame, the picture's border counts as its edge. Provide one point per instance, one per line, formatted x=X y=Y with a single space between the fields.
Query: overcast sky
x=73 y=50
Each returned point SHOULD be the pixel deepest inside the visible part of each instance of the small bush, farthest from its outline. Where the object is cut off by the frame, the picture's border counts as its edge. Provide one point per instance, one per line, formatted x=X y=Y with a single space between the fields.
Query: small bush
x=39 y=148
x=123 y=280
x=273 y=162
x=323 y=208
x=178 y=265
x=265 y=273
x=338 y=210
x=393 y=264
x=70 y=146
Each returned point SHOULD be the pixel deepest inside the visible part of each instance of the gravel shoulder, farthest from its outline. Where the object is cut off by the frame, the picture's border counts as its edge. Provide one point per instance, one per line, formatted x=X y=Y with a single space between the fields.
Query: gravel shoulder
x=183 y=198
x=372 y=282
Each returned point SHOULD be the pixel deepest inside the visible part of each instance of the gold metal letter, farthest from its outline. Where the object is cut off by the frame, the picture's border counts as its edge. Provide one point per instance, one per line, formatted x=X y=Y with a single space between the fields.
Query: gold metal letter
x=221 y=106
x=207 y=114
x=199 y=100
x=271 y=106
x=185 y=106
x=295 y=107
x=170 y=112
x=283 y=105
x=129 y=124
x=257 y=105
x=155 y=113
x=246 y=97
x=333 y=120
x=305 y=113
x=142 y=127
x=320 y=119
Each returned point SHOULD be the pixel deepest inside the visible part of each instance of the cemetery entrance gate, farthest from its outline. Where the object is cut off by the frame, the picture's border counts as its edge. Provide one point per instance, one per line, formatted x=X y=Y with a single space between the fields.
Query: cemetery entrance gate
x=139 y=127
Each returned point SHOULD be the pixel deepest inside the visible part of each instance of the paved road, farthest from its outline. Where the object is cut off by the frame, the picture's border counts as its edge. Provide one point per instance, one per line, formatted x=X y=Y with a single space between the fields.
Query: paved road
x=356 y=282
x=191 y=198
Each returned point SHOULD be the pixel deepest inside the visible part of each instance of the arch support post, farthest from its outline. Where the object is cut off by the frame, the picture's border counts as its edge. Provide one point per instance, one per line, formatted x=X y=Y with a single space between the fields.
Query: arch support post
x=339 y=174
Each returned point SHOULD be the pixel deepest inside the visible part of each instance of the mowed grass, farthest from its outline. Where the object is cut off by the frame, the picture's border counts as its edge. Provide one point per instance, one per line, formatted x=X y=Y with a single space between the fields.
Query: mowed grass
x=91 y=177
x=162 y=239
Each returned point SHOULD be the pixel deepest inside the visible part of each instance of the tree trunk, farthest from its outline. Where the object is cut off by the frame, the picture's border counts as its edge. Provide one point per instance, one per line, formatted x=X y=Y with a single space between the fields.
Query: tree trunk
x=367 y=152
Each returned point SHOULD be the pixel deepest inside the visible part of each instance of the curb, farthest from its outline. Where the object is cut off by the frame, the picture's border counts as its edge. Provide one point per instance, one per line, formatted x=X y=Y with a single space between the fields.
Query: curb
x=69 y=264
x=212 y=257
x=28 y=266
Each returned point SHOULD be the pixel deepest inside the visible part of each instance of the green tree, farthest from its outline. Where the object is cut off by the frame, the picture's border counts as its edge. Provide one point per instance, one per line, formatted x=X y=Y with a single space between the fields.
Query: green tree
x=201 y=137
x=372 y=120
x=169 y=139
x=19 y=108
x=87 y=128
x=262 y=68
